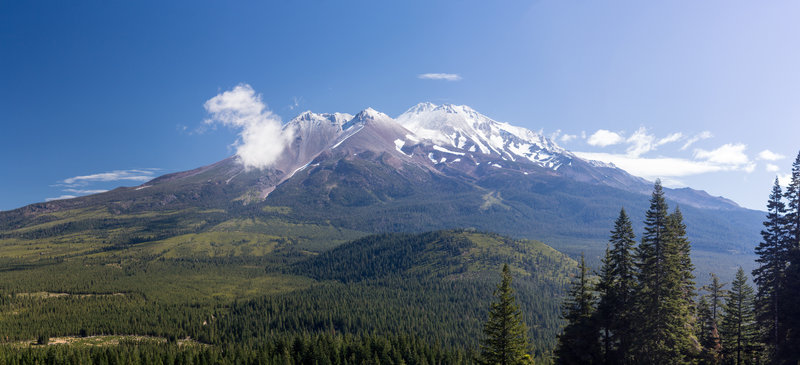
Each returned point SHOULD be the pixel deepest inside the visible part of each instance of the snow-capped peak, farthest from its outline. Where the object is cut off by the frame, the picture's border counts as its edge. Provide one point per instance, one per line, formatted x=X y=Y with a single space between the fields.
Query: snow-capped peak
x=312 y=120
x=464 y=128
x=366 y=115
x=371 y=114
x=421 y=107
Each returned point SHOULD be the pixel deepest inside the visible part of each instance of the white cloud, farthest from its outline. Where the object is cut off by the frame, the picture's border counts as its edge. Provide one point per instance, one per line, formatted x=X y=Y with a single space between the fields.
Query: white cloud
x=439 y=76
x=261 y=139
x=557 y=136
x=61 y=198
x=116 y=175
x=729 y=157
x=698 y=137
x=86 y=191
x=651 y=168
x=603 y=138
x=727 y=154
x=768 y=155
x=640 y=142
x=785 y=179
x=772 y=168
x=674 y=137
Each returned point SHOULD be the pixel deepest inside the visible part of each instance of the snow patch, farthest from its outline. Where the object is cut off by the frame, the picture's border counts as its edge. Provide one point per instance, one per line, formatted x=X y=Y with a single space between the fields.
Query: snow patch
x=430 y=157
x=348 y=136
x=445 y=150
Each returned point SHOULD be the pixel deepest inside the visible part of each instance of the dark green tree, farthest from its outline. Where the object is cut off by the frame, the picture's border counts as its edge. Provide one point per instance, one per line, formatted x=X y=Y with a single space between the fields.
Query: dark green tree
x=707 y=333
x=579 y=342
x=506 y=336
x=790 y=351
x=708 y=318
x=615 y=309
x=680 y=242
x=664 y=334
x=739 y=332
x=772 y=259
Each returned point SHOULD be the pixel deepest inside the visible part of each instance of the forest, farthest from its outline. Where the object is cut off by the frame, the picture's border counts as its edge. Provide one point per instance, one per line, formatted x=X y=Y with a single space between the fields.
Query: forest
x=408 y=298
x=643 y=307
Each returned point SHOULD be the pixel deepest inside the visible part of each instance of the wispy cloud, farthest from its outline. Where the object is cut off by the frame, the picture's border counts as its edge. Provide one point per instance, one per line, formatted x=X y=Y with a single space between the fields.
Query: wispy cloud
x=439 y=76
x=261 y=140
x=603 y=138
x=76 y=186
x=116 y=175
x=768 y=155
x=772 y=168
x=86 y=191
x=640 y=142
x=295 y=103
x=696 y=138
x=61 y=198
x=674 y=137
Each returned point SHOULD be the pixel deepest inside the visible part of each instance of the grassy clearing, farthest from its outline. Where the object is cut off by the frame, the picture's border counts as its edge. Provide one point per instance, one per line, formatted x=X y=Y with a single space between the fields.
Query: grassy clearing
x=105 y=340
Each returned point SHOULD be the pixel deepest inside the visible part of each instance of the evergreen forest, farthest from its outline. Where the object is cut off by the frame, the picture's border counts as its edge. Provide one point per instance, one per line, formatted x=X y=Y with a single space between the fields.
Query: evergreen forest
x=233 y=295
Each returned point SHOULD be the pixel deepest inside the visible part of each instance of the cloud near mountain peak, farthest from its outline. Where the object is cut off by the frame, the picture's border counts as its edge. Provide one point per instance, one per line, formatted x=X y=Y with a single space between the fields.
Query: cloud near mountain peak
x=261 y=138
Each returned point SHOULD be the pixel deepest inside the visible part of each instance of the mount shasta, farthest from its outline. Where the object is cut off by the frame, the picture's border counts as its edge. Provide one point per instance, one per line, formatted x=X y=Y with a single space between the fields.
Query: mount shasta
x=433 y=167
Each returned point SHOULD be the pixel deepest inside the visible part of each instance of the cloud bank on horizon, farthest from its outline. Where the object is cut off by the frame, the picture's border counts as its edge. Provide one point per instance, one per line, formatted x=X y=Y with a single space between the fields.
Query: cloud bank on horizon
x=261 y=138
x=635 y=159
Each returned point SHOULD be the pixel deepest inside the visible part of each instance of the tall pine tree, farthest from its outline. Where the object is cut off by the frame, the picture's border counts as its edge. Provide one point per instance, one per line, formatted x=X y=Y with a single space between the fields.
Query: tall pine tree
x=579 y=342
x=790 y=351
x=615 y=313
x=708 y=319
x=664 y=335
x=506 y=341
x=738 y=330
x=707 y=333
x=772 y=259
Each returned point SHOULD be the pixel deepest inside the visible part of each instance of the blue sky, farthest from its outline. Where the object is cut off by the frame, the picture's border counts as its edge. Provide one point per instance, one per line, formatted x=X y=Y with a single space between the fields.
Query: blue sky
x=98 y=94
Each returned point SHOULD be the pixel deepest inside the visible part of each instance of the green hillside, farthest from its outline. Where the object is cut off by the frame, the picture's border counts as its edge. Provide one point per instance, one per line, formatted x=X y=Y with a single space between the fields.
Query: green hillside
x=235 y=284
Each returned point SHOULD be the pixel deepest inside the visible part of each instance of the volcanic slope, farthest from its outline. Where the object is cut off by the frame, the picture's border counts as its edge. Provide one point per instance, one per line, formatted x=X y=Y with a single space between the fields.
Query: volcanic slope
x=433 y=167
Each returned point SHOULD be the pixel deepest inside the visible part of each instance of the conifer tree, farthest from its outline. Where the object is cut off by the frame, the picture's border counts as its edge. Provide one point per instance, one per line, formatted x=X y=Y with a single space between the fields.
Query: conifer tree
x=677 y=237
x=616 y=298
x=707 y=333
x=578 y=343
x=792 y=218
x=790 y=351
x=772 y=259
x=664 y=335
x=506 y=336
x=708 y=318
x=738 y=328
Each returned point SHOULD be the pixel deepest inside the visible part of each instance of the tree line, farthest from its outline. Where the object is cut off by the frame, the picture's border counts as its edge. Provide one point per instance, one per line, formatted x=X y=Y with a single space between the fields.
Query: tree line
x=642 y=307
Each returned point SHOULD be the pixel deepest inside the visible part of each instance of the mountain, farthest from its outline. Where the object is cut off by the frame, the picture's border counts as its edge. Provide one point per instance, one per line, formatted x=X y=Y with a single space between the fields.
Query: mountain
x=433 y=167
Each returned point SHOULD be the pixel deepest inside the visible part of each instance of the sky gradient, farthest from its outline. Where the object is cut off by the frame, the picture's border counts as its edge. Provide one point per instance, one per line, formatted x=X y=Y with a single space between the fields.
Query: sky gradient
x=98 y=94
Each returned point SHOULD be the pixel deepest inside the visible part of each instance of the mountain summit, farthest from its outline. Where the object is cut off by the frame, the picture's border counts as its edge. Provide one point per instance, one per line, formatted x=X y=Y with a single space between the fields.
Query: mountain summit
x=432 y=167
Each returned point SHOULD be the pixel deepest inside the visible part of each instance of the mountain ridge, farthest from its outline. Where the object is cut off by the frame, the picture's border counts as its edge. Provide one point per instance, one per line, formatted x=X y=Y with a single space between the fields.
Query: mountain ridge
x=371 y=173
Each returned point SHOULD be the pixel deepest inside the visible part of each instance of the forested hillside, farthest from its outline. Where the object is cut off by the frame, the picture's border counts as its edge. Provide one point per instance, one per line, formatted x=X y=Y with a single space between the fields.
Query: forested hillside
x=431 y=289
